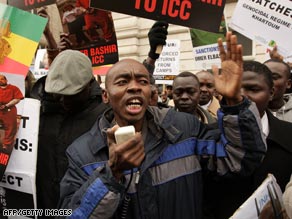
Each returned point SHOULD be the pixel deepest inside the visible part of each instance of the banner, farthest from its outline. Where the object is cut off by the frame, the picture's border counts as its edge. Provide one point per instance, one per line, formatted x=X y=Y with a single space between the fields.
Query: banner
x=167 y=65
x=18 y=182
x=29 y=4
x=90 y=30
x=200 y=14
x=267 y=22
x=265 y=202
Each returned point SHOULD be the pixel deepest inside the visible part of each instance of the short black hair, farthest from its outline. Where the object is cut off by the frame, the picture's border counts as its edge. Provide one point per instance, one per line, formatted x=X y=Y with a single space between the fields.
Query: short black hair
x=260 y=69
x=288 y=68
x=185 y=74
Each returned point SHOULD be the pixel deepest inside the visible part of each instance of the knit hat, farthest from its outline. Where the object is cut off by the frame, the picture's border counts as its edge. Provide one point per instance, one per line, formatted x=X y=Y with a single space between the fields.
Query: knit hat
x=69 y=73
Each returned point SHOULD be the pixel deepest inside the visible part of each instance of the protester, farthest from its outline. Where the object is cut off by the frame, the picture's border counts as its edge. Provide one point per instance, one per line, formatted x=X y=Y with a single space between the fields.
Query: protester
x=154 y=96
x=164 y=98
x=155 y=99
x=287 y=198
x=155 y=173
x=69 y=78
x=281 y=104
x=66 y=117
x=207 y=90
x=257 y=85
x=157 y=37
x=186 y=96
x=169 y=91
x=10 y=95
x=29 y=82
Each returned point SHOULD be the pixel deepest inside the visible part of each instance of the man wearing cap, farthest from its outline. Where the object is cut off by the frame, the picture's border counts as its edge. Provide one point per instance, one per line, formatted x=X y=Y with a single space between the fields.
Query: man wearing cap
x=69 y=80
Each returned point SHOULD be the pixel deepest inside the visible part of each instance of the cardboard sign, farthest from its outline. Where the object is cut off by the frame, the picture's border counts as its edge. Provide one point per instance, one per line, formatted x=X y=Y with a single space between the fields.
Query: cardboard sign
x=267 y=22
x=30 y=4
x=200 y=14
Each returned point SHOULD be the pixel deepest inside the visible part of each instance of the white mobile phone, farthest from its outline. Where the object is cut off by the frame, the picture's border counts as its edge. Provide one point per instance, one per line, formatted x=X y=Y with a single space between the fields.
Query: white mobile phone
x=124 y=133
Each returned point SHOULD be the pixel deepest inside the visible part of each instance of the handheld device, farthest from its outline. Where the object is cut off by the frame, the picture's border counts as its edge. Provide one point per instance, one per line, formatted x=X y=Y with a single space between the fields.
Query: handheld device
x=124 y=133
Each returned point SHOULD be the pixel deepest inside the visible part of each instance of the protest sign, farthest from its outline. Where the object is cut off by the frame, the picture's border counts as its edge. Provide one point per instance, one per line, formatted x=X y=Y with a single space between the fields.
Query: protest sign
x=205 y=48
x=11 y=105
x=201 y=14
x=18 y=182
x=167 y=65
x=207 y=56
x=90 y=30
x=267 y=22
x=29 y=4
x=265 y=202
x=20 y=33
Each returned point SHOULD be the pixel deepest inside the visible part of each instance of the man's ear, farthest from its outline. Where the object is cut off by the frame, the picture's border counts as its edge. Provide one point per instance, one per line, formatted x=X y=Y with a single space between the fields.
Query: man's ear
x=105 y=96
x=272 y=92
x=289 y=82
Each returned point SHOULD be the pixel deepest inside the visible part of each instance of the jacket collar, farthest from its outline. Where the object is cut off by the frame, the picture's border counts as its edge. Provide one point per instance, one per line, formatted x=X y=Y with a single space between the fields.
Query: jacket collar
x=159 y=126
x=276 y=132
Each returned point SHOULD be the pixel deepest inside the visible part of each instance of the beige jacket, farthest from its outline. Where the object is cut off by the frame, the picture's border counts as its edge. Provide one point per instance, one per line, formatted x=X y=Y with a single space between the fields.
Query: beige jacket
x=213 y=107
x=287 y=198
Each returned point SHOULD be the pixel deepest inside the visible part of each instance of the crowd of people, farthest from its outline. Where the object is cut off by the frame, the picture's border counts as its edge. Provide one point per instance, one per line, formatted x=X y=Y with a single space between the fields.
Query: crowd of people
x=202 y=145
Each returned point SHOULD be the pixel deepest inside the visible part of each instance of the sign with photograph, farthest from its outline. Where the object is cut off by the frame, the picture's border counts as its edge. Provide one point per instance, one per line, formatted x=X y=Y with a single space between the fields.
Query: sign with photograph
x=18 y=182
x=90 y=30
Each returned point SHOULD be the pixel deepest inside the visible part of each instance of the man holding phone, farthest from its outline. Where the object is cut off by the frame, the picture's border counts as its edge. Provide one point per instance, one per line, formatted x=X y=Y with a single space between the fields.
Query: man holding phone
x=157 y=172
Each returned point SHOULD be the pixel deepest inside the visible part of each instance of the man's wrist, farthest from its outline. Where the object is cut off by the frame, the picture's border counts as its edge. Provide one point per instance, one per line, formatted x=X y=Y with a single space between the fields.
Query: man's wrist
x=234 y=101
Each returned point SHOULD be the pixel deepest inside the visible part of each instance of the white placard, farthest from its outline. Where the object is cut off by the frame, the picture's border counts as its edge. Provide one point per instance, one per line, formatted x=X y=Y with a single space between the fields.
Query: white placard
x=267 y=22
x=262 y=201
x=167 y=65
x=207 y=56
x=17 y=188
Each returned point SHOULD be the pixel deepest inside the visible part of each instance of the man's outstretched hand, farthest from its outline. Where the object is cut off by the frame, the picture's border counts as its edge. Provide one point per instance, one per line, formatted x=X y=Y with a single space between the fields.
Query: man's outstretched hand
x=228 y=78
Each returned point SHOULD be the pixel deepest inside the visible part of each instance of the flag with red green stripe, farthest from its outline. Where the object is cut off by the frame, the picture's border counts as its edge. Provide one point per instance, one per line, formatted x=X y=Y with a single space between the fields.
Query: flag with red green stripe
x=20 y=33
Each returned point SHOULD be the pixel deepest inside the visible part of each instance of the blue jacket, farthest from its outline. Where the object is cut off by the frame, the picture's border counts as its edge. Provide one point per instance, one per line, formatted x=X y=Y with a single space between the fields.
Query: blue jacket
x=168 y=184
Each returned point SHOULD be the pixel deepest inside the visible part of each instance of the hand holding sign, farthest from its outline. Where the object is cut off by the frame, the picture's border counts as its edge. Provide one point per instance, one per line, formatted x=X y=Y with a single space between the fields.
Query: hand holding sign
x=157 y=36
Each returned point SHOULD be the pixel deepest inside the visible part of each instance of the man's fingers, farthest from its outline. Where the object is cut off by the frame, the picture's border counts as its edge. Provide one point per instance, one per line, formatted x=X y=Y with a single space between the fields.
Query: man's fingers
x=239 y=55
x=111 y=135
x=228 y=45
x=222 y=52
x=160 y=24
x=215 y=70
